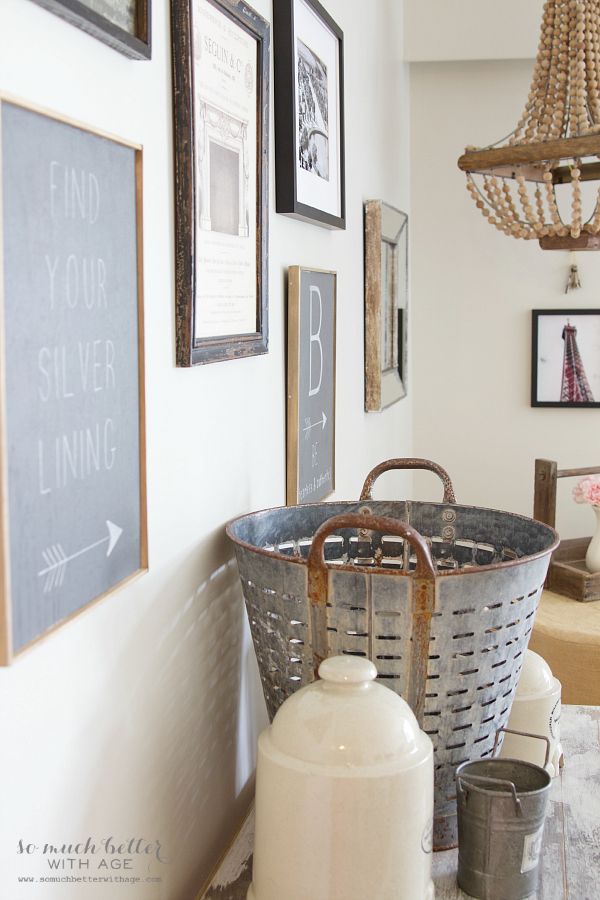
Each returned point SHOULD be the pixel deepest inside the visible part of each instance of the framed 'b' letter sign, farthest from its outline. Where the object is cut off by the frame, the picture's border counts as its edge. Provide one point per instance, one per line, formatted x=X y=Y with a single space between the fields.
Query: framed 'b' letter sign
x=311 y=385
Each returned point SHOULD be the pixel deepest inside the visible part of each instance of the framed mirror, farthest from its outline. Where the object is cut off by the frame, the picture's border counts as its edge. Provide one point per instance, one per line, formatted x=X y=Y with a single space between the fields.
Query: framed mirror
x=386 y=305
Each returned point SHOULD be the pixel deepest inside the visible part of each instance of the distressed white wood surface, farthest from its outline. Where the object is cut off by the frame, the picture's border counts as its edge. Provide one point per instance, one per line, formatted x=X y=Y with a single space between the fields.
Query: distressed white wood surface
x=570 y=866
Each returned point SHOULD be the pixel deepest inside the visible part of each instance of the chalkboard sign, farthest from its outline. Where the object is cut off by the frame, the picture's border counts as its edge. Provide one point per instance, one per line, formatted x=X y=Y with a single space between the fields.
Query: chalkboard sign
x=73 y=463
x=311 y=385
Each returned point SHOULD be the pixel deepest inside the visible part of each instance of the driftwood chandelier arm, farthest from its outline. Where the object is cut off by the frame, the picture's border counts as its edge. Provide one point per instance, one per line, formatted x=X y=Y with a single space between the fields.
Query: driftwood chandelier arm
x=555 y=144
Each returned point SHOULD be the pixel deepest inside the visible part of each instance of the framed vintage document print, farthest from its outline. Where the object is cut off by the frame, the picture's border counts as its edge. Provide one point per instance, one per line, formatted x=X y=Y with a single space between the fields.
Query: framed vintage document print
x=122 y=24
x=311 y=384
x=221 y=109
x=72 y=447
x=309 y=113
x=565 y=357
x=386 y=304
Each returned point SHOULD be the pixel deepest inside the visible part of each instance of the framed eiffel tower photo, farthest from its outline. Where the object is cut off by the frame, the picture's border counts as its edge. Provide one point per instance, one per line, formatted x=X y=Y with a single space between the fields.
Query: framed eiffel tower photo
x=565 y=358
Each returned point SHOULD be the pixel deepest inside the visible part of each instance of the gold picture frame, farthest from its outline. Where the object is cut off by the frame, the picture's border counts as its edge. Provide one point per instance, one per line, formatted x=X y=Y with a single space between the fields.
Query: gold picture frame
x=311 y=384
x=79 y=470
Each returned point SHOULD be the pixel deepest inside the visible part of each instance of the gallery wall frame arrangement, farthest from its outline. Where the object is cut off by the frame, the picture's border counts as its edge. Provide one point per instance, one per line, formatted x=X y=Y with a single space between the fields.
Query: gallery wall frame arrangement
x=221 y=117
x=309 y=113
x=73 y=523
x=565 y=357
x=124 y=25
x=311 y=376
x=386 y=305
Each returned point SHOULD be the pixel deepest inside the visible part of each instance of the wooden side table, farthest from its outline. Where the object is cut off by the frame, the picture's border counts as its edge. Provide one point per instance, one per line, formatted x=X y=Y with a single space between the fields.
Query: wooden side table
x=571 y=851
x=567 y=634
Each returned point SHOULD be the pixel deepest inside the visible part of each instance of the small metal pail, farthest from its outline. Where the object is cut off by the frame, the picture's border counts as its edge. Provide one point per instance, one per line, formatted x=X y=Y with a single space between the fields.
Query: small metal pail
x=501 y=811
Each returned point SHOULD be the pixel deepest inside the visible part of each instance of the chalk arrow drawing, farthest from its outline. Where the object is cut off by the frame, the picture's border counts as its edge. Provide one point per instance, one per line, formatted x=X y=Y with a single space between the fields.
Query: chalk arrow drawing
x=57 y=560
x=322 y=422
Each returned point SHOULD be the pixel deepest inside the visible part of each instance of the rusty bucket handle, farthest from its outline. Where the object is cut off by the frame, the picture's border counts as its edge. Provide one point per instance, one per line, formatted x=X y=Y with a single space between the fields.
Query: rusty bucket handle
x=317 y=570
x=408 y=463
x=424 y=576
x=539 y=737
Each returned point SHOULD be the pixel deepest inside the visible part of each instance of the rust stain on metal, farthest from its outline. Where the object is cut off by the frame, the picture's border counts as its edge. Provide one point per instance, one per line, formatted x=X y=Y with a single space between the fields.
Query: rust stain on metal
x=317 y=584
x=445 y=832
x=423 y=604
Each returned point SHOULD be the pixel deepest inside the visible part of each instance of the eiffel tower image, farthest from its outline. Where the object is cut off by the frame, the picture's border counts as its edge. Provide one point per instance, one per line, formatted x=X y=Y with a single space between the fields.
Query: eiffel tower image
x=575 y=387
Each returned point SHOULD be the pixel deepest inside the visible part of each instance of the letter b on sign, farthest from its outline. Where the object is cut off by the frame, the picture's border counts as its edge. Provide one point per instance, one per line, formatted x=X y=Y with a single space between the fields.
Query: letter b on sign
x=316 y=348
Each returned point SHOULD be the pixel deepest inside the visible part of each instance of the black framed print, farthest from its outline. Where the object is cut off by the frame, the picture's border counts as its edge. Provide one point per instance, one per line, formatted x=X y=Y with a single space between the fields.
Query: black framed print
x=565 y=358
x=221 y=112
x=122 y=24
x=309 y=113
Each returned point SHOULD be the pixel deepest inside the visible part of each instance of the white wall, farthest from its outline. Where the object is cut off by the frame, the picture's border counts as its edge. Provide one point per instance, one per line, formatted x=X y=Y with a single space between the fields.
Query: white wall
x=471 y=29
x=473 y=292
x=139 y=718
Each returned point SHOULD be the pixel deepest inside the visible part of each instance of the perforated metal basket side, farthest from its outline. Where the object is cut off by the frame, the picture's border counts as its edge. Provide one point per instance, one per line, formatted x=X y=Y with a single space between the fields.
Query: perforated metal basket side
x=450 y=642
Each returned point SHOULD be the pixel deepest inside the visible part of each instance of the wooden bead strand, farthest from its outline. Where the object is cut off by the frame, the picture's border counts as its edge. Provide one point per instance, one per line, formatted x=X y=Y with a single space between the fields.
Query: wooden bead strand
x=539 y=200
x=491 y=189
x=525 y=129
x=553 y=88
x=559 y=227
x=479 y=202
x=572 y=71
x=592 y=63
x=535 y=223
x=561 y=73
x=576 y=200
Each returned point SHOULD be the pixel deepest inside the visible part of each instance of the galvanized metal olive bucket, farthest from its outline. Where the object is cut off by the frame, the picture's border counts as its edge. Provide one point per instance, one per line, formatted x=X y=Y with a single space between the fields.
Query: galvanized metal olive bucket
x=502 y=807
x=441 y=597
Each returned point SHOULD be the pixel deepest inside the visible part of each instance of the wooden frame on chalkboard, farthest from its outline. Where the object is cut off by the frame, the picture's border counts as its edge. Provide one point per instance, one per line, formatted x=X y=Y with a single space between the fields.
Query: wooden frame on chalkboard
x=221 y=120
x=55 y=559
x=311 y=384
x=309 y=113
x=127 y=30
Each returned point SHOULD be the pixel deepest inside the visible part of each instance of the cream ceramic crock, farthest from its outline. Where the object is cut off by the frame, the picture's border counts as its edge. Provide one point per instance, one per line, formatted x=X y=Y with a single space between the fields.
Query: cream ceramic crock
x=535 y=709
x=344 y=794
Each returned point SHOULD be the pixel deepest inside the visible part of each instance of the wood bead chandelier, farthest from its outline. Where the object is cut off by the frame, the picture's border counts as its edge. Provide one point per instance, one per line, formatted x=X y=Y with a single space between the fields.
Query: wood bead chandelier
x=519 y=184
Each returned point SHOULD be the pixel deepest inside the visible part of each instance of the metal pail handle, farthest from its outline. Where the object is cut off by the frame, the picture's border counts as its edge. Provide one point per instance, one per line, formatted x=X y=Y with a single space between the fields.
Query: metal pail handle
x=408 y=463
x=465 y=780
x=424 y=578
x=539 y=737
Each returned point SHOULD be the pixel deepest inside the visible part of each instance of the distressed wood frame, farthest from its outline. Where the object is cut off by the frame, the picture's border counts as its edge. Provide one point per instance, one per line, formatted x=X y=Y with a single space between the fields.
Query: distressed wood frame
x=135 y=45
x=384 y=224
x=191 y=351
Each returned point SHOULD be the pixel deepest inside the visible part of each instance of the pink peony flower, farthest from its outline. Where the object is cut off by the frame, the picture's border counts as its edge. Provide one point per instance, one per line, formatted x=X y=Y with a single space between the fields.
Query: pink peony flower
x=587 y=490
